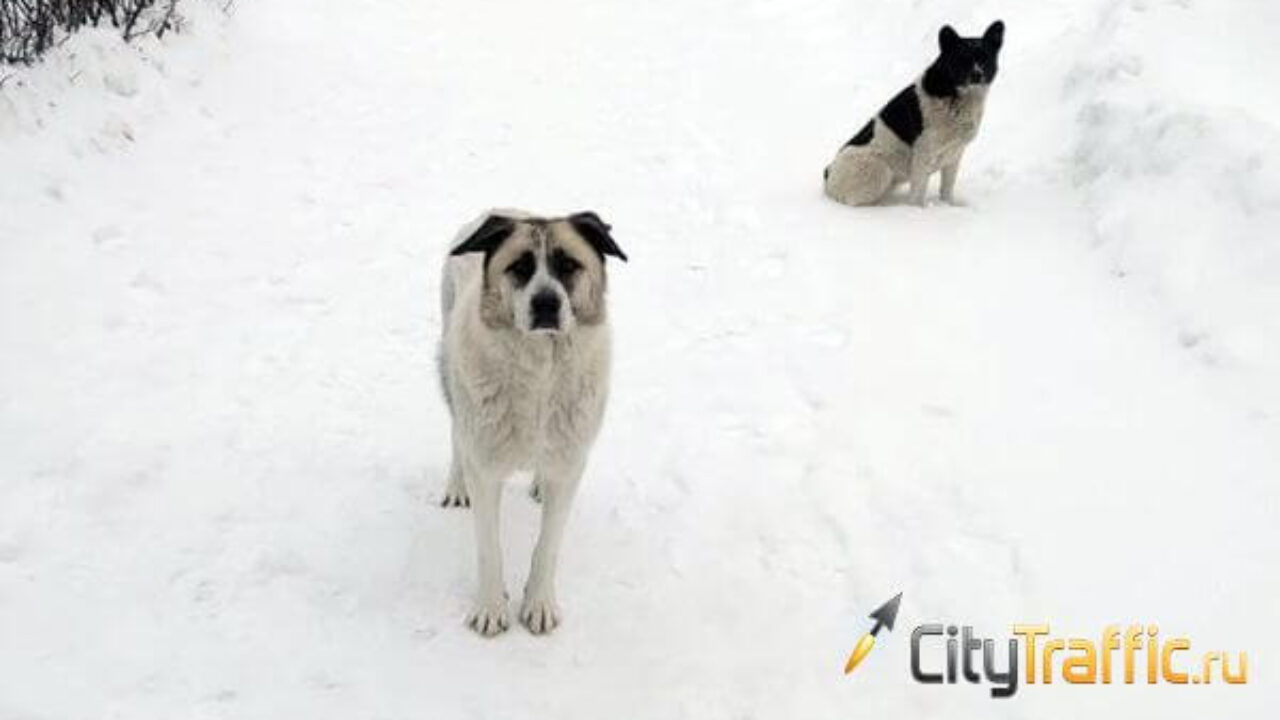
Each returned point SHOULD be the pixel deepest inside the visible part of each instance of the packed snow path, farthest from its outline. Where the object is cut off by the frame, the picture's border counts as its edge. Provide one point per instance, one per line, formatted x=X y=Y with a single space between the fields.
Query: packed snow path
x=222 y=443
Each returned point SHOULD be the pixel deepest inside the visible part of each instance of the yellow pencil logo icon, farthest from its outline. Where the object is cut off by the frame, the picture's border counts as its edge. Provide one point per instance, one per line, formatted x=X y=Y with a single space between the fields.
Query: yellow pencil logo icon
x=884 y=617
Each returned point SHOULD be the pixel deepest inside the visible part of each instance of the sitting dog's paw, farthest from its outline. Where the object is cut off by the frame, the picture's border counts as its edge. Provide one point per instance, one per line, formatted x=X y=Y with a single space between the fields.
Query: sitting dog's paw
x=539 y=613
x=456 y=497
x=489 y=618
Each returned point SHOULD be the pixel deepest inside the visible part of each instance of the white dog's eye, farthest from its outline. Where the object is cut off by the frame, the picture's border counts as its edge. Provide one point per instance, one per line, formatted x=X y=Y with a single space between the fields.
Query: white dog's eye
x=563 y=266
x=523 y=268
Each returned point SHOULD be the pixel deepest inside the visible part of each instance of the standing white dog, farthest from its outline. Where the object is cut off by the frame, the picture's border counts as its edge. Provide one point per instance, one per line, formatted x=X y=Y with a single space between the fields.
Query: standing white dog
x=524 y=361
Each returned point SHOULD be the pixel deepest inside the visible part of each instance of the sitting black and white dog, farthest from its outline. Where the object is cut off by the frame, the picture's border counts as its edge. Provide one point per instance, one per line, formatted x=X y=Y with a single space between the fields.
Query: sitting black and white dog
x=924 y=129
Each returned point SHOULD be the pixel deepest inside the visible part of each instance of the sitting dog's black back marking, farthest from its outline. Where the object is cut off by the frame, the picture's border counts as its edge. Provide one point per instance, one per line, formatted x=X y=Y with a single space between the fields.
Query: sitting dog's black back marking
x=903 y=116
x=864 y=135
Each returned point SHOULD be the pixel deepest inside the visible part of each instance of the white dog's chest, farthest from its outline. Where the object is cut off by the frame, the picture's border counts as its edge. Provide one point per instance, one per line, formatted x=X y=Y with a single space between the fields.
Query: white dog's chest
x=539 y=413
x=534 y=406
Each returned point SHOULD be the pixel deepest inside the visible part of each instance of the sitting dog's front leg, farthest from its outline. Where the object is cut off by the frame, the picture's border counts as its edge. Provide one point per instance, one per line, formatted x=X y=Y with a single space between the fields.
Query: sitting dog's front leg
x=919 y=177
x=489 y=614
x=539 y=611
x=949 y=173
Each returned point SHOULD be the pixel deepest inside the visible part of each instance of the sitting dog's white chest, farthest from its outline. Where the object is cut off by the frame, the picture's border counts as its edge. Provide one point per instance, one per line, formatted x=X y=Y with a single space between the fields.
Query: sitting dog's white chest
x=949 y=126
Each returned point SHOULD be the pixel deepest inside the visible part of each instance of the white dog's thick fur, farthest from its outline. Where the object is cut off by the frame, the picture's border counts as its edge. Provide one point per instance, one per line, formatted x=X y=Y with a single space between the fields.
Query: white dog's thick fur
x=526 y=387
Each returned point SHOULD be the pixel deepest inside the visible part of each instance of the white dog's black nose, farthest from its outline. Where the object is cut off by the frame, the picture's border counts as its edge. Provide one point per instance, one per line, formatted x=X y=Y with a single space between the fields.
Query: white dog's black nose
x=545 y=310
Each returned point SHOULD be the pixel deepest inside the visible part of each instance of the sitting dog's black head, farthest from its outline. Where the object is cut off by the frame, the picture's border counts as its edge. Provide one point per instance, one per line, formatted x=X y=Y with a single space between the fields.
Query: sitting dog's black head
x=964 y=62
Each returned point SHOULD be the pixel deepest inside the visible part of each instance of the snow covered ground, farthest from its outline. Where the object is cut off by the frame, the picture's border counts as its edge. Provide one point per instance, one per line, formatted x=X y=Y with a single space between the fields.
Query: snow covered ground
x=221 y=441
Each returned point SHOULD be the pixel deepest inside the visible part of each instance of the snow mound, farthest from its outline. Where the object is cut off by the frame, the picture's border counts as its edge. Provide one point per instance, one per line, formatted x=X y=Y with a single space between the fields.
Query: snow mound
x=1178 y=155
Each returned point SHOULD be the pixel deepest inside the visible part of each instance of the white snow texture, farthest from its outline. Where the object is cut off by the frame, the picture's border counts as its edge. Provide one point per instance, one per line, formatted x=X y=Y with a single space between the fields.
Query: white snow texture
x=222 y=443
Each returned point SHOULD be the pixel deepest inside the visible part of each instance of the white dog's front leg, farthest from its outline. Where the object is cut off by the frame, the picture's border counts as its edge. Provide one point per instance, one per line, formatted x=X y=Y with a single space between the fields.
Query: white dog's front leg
x=489 y=615
x=539 y=611
x=455 y=493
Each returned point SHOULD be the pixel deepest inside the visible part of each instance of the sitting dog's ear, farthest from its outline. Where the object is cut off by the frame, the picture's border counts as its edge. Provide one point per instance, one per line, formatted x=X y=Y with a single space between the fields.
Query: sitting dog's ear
x=993 y=38
x=948 y=39
x=492 y=232
x=596 y=232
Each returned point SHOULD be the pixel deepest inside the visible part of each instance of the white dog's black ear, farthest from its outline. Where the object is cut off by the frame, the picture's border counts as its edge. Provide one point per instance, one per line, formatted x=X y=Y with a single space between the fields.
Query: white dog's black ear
x=492 y=232
x=596 y=232
x=948 y=39
x=993 y=38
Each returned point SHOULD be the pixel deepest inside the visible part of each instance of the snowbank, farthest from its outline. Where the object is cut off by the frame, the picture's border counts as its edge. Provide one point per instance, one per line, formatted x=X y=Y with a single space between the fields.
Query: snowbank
x=1178 y=154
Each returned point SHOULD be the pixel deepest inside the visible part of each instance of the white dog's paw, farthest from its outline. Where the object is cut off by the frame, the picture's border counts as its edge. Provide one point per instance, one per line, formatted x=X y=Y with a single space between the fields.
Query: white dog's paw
x=535 y=491
x=456 y=497
x=539 y=613
x=489 y=618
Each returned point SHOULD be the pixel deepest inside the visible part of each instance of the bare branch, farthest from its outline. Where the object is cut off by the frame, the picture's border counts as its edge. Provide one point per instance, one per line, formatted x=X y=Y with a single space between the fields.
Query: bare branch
x=30 y=27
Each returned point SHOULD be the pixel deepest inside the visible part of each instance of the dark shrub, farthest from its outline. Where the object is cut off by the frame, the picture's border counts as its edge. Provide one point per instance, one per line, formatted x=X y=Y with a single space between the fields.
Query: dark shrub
x=29 y=27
